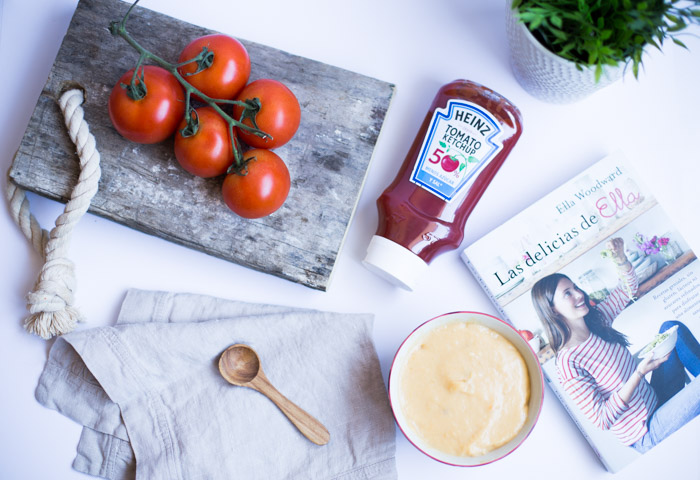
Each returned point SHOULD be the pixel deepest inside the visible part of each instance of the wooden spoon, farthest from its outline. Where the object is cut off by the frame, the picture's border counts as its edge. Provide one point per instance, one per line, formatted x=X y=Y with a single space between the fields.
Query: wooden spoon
x=240 y=365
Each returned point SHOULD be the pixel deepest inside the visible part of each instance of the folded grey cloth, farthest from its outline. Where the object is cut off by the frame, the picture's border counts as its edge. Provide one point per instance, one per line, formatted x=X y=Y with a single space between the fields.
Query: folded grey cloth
x=154 y=406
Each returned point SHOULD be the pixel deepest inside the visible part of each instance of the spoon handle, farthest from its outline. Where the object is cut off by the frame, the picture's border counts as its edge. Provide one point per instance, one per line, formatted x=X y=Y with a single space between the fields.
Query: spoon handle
x=308 y=425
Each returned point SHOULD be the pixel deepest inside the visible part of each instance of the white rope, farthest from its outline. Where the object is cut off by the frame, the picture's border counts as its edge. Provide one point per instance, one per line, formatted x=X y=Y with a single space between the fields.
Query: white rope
x=51 y=302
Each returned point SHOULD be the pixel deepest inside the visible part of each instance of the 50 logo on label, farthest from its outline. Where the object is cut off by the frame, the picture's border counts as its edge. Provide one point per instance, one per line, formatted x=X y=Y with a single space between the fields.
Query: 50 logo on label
x=451 y=162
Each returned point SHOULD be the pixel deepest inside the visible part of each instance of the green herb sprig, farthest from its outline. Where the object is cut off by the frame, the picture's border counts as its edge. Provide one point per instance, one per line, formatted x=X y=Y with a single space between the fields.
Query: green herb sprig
x=602 y=33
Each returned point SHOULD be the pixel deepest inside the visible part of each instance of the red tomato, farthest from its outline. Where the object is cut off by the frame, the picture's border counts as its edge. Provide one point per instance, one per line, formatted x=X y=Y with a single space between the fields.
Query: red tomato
x=208 y=152
x=526 y=334
x=153 y=118
x=263 y=190
x=229 y=69
x=279 y=114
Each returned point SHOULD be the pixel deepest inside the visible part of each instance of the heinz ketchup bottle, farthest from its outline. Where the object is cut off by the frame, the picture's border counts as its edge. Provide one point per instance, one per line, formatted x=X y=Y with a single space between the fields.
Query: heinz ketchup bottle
x=463 y=141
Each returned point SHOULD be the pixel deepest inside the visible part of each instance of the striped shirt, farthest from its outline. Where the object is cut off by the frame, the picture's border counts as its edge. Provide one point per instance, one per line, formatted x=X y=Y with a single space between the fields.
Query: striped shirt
x=593 y=372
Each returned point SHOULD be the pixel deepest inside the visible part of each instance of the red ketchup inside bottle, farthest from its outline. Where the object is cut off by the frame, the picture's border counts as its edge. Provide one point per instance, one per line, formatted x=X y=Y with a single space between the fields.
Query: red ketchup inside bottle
x=464 y=139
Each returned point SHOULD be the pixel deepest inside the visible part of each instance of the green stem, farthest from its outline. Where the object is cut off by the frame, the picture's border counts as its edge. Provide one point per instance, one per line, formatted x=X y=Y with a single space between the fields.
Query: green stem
x=136 y=90
x=119 y=29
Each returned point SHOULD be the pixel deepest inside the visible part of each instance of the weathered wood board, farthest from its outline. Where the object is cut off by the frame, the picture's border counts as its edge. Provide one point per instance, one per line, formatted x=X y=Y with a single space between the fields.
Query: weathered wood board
x=143 y=187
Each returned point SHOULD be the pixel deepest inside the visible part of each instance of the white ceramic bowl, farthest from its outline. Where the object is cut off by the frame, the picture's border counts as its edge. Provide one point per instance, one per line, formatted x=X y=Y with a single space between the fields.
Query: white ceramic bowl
x=645 y=269
x=637 y=262
x=665 y=346
x=507 y=331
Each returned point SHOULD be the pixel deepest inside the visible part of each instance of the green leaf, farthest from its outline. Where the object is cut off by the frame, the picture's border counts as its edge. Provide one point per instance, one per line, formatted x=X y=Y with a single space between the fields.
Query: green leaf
x=536 y=22
x=559 y=34
x=592 y=57
x=556 y=21
x=676 y=28
x=598 y=72
x=637 y=24
x=678 y=42
x=527 y=17
x=565 y=49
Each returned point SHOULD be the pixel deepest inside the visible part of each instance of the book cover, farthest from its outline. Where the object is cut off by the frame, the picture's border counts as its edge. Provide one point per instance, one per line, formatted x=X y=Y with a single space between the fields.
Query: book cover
x=594 y=271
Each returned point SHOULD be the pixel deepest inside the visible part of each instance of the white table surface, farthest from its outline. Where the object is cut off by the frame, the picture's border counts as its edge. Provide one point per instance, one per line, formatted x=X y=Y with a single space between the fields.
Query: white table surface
x=418 y=46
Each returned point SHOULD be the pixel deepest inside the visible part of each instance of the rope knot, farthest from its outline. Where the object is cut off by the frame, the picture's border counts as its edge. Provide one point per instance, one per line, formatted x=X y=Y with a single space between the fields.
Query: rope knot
x=51 y=303
x=54 y=287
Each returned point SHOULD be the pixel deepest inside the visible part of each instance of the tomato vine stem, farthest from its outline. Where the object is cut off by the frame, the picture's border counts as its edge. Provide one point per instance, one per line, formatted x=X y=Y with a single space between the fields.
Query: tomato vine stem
x=137 y=90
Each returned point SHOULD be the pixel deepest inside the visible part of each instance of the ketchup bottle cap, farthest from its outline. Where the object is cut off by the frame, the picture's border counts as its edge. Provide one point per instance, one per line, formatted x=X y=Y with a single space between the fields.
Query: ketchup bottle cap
x=394 y=262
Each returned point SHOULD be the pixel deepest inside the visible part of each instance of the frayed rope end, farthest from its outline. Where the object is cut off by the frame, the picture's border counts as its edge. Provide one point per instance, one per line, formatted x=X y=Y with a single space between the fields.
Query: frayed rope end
x=51 y=324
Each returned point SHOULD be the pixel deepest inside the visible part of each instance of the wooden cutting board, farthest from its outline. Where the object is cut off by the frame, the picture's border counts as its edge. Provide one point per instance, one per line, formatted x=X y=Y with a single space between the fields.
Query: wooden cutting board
x=143 y=187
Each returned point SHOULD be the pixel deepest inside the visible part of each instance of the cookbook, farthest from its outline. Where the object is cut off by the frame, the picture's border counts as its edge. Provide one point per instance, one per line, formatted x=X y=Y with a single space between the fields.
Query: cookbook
x=603 y=232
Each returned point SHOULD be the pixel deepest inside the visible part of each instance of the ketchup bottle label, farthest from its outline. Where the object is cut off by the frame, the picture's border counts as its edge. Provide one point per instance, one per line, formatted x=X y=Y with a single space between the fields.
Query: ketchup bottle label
x=461 y=140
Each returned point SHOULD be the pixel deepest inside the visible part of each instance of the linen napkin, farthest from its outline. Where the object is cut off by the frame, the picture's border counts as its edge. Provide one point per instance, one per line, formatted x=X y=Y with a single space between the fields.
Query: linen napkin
x=154 y=406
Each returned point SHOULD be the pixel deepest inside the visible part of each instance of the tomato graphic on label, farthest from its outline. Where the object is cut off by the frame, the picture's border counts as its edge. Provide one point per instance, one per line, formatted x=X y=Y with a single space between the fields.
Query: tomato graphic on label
x=449 y=164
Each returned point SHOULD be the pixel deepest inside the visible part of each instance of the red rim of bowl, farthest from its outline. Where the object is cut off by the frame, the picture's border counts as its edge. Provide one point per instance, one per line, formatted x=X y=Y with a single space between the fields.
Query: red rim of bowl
x=539 y=370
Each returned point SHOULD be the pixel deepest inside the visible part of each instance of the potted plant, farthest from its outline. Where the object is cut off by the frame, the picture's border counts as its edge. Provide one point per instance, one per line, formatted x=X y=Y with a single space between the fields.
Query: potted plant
x=563 y=50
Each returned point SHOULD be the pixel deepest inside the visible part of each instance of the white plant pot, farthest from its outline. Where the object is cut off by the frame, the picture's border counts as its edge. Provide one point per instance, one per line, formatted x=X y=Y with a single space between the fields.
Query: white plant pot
x=545 y=75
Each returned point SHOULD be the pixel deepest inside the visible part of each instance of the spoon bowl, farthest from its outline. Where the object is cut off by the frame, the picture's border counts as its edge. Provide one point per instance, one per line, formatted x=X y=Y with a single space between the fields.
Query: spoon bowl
x=240 y=365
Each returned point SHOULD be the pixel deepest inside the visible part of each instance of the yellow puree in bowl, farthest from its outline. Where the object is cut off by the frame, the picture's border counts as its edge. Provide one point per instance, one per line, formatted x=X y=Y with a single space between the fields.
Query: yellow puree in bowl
x=465 y=389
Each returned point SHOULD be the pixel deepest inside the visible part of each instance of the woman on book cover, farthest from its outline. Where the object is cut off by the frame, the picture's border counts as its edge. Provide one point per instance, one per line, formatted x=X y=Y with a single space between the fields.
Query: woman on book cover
x=600 y=373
